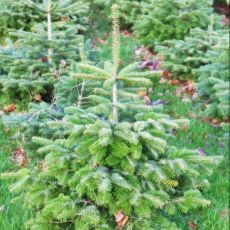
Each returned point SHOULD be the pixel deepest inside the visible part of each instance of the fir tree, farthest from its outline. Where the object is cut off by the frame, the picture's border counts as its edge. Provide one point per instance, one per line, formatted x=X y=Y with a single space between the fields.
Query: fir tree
x=67 y=91
x=33 y=63
x=213 y=82
x=184 y=57
x=110 y=171
x=161 y=21
x=24 y=15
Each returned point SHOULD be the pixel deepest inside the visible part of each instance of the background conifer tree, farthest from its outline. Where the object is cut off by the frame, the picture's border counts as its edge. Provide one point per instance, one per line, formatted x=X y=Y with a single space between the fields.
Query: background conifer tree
x=213 y=82
x=161 y=21
x=67 y=91
x=184 y=57
x=23 y=15
x=33 y=64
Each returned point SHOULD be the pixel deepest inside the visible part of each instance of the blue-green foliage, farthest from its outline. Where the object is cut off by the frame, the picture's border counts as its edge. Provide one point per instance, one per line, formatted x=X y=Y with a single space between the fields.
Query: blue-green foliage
x=183 y=58
x=161 y=21
x=214 y=79
x=34 y=62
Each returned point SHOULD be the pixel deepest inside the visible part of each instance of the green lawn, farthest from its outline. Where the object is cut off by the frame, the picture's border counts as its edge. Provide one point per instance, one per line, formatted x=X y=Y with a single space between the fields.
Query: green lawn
x=12 y=216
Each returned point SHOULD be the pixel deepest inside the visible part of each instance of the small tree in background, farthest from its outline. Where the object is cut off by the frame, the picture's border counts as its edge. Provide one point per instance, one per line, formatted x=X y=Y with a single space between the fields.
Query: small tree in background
x=183 y=58
x=67 y=91
x=24 y=14
x=160 y=20
x=34 y=62
x=111 y=171
x=213 y=82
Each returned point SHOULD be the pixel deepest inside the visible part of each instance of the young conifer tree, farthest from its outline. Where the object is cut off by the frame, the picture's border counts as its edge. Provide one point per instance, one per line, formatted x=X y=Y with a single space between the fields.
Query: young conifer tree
x=160 y=20
x=213 y=82
x=24 y=14
x=184 y=57
x=67 y=91
x=33 y=63
x=112 y=171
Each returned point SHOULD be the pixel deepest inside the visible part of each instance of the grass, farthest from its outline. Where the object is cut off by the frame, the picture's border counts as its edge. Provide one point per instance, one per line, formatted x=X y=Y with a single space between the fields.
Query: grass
x=199 y=135
x=12 y=216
